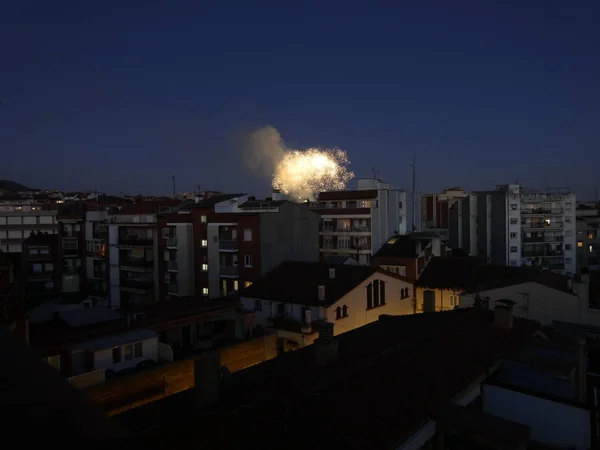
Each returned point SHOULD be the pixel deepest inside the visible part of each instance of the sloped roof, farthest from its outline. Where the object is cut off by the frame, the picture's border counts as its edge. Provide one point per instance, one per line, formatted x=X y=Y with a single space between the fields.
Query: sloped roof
x=298 y=282
x=472 y=274
x=404 y=245
x=210 y=201
x=389 y=377
x=348 y=195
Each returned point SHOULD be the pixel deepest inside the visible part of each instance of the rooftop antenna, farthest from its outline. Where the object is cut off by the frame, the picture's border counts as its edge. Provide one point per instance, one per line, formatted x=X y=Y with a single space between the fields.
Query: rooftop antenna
x=174 y=190
x=414 y=194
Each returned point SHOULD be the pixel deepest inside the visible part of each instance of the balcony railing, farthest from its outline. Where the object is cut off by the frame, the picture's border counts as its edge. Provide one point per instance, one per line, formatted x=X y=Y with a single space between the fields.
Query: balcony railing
x=136 y=242
x=228 y=245
x=347 y=230
x=171 y=265
x=229 y=271
x=137 y=283
x=542 y=211
x=543 y=239
x=141 y=262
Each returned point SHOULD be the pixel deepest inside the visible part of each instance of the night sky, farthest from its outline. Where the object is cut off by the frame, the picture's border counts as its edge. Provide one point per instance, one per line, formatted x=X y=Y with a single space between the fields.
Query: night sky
x=120 y=95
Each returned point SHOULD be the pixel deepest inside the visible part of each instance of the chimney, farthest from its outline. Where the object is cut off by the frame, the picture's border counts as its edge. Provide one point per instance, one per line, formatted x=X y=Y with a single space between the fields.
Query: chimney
x=207 y=377
x=503 y=316
x=332 y=273
x=276 y=195
x=581 y=370
x=326 y=347
x=321 y=293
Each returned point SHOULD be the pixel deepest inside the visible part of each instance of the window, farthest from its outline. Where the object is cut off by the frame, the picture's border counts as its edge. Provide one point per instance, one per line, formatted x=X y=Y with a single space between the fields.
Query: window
x=514 y=249
x=514 y=263
x=165 y=233
x=568 y=233
x=204 y=267
x=591 y=249
x=116 y=355
x=281 y=308
x=33 y=251
x=513 y=206
x=382 y=292
x=247 y=235
x=567 y=247
x=399 y=205
x=404 y=293
x=235 y=285
x=204 y=243
x=579 y=244
x=344 y=311
x=37 y=268
x=568 y=260
x=568 y=205
x=247 y=283
x=247 y=260
x=48 y=267
x=258 y=305
x=454 y=300
x=514 y=221
x=338 y=312
x=204 y=291
x=70 y=244
x=375 y=293
x=369 y=296
x=202 y=218
x=138 y=350
x=128 y=352
x=513 y=235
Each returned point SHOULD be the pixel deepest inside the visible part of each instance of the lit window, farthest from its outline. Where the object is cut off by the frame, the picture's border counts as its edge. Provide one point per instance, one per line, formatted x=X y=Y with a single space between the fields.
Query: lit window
x=591 y=248
x=247 y=283
x=203 y=219
x=204 y=243
x=204 y=291
x=579 y=244
x=205 y=267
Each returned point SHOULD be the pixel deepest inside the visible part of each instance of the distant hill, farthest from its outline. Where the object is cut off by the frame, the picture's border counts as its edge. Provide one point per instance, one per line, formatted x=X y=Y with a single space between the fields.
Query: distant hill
x=12 y=186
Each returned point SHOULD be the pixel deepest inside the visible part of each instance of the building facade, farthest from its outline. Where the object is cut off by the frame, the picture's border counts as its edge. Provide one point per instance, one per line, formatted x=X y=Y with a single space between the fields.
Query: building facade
x=359 y=222
x=588 y=239
x=21 y=216
x=516 y=226
x=216 y=246
x=435 y=211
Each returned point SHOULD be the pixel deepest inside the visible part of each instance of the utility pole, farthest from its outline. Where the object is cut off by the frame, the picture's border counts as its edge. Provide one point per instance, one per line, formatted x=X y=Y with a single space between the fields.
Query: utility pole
x=414 y=194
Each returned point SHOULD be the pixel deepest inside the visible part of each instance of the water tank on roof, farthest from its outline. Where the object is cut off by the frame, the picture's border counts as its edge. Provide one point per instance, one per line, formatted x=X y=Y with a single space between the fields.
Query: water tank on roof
x=70 y=282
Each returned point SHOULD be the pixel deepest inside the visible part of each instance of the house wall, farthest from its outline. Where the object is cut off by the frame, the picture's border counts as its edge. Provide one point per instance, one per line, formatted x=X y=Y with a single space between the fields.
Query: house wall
x=545 y=304
x=442 y=298
x=356 y=301
x=552 y=423
x=103 y=359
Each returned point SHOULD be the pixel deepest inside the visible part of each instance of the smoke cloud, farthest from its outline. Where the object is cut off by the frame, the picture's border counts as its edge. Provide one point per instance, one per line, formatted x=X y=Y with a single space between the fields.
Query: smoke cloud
x=300 y=174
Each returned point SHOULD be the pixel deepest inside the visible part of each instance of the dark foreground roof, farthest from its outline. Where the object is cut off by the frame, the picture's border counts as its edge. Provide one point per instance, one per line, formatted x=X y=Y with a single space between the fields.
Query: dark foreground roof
x=298 y=282
x=472 y=274
x=404 y=245
x=36 y=396
x=390 y=376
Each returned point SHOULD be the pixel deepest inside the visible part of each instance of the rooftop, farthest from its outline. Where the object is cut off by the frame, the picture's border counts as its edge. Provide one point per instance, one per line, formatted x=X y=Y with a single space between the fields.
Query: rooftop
x=472 y=274
x=210 y=202
x=298 y=282
x=348 y=195
x=390 y=376
x=404 y=245
x=117 y=339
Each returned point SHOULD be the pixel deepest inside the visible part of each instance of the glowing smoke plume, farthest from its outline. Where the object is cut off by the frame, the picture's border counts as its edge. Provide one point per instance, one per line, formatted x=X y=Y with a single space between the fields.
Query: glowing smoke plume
x=297 y=173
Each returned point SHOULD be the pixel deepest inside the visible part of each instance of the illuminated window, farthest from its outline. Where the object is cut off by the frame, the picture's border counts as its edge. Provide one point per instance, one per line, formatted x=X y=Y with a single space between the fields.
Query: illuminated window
x=247 y=283
x=203 y=219
x=204 y=243
x=205 y=267
x=591 y=248
x=204 y=291
x=579 y=244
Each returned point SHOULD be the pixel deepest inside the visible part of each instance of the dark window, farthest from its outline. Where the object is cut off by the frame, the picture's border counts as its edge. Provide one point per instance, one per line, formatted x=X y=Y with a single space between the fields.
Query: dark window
x=382 y=291
x=338 y=313
x=128 y=352
x=281 y=308
x=369 y=296
x=258 y=305
x=117 y=355
x=138 y=350
x=375 y=293
x=344 y=311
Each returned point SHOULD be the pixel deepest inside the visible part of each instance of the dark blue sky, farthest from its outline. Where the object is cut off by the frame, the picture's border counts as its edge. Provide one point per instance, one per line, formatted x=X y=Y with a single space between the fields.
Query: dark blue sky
x=120 y=95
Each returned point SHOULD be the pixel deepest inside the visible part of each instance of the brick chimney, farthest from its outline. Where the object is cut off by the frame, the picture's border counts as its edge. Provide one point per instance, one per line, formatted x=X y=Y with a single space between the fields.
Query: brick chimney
x=326 y=346
x=207 y=378
x=503 y=314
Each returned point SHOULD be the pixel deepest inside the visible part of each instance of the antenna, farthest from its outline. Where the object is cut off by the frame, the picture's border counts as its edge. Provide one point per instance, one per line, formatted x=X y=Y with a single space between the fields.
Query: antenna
x=174 y=190
x=414 y=194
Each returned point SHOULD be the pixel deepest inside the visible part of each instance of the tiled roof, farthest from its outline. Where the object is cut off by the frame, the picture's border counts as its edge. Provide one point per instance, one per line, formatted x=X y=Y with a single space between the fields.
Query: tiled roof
x=390 y=376
x=403 y=245
x=472 y=274
x=348 y=195
x=298 y=282
x=338 y=259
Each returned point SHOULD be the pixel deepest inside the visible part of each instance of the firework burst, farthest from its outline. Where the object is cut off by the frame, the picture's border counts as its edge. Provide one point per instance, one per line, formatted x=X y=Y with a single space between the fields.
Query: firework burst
x=302 y=173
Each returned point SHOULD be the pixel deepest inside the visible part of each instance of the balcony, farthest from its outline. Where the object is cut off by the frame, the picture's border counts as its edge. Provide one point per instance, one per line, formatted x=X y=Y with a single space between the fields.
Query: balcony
x=172 y=242
x=70 y=252
x=71 y=269
x=137 y=263
x=229 y=271
x=135 y=242
x=541 y=211
x=171 y=266
x=541 y=225
x=98 y=274
x=228 y=245
x=137 y=283
x=39 y=276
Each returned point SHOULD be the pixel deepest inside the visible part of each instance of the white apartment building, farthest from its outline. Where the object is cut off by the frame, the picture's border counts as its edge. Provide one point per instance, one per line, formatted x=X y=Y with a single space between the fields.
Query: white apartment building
x=516 y=226
x=20 y=216
x=359 y=222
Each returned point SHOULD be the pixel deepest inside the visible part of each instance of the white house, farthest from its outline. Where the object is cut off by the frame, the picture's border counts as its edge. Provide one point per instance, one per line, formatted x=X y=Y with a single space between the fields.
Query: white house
x=295 y=297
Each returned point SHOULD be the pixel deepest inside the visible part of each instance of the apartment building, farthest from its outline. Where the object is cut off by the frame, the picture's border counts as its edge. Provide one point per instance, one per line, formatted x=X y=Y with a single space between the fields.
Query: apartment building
x=435 y=211
x=20 y=216
x=588 y=238
x=215 y=246
x=359 y=222
x=40 y=255
x=515 y=226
